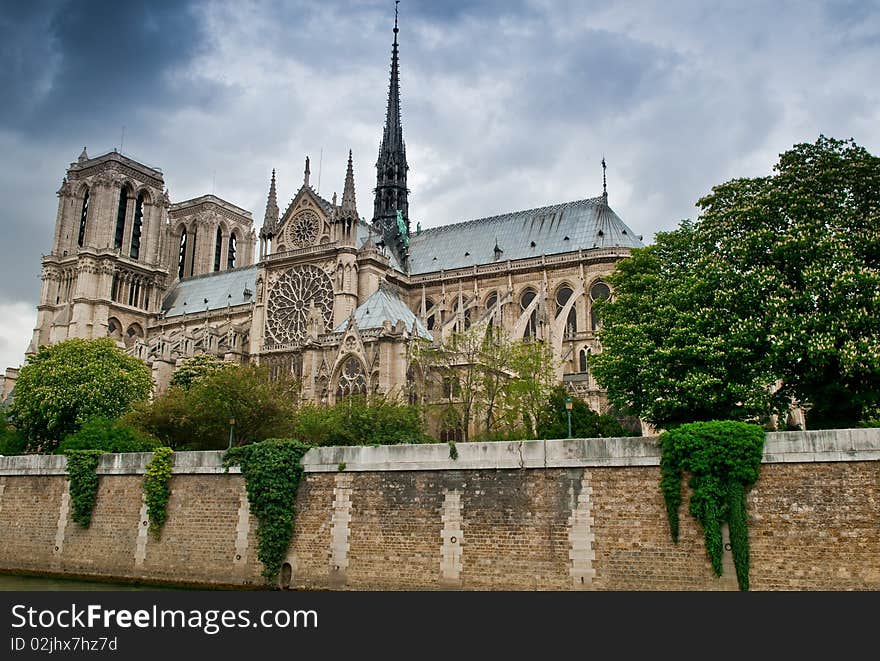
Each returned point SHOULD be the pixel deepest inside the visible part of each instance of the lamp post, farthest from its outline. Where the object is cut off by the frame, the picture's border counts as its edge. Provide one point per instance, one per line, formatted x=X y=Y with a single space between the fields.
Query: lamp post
x=568 y=411
x=231 y=427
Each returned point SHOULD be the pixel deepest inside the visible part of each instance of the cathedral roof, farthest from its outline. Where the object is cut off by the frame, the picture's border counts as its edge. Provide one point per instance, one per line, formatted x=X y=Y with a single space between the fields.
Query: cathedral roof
x=560 y=228
x=385 y=305
x=213 y=291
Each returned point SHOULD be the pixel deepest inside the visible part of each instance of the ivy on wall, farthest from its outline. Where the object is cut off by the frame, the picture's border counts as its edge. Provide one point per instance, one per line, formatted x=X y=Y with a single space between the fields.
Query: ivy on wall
x=81 y=466
x=271 y=471
x=156 y=489
x=723 y=459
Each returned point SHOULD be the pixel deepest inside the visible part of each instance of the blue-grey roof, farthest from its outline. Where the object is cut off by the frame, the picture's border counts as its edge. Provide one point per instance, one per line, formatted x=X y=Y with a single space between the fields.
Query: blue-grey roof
x=211 y=292
x=363 y=233
x=381 y=306
x=549 y=230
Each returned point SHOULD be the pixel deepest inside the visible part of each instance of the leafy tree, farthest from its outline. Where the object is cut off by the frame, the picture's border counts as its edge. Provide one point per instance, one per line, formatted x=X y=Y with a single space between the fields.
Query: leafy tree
x=585 y=422
x=11 y=442
x=807 y=242
x=63 y=385
x=99 y=433
x=770 y=297
x=488 y=382
x=193 y=369
x=674 y=348
x=198 y=417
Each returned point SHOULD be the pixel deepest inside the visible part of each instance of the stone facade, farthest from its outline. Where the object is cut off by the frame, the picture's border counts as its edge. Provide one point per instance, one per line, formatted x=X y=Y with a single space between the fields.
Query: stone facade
x=583 y=514
x=333 y=299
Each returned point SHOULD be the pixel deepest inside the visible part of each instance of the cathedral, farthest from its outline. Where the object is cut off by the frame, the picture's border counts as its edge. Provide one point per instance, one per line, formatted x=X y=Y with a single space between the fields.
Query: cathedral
x=318 y=291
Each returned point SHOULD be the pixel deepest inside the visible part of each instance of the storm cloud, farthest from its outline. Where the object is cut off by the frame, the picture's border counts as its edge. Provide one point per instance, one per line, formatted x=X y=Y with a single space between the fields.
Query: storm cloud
x=506 y=105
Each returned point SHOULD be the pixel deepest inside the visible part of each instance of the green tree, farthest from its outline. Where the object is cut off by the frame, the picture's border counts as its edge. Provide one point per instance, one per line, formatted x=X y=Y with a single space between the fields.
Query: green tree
x=198 y=417
x=770 y=297
x=807 y=242
x=585 y=422
x=63 y=385
x=193 y=369
x=674 y=347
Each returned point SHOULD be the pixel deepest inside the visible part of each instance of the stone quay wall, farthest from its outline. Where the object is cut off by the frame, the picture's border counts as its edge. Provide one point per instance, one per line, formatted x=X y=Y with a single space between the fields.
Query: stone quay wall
x=568 y=514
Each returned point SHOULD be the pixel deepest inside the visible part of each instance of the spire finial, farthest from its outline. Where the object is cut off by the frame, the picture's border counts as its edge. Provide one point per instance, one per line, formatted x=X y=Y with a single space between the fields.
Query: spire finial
x=604 y=182
x=84 y=156
x=348 y=197
x=307 y=173
x=270 y=220
x=396 y=2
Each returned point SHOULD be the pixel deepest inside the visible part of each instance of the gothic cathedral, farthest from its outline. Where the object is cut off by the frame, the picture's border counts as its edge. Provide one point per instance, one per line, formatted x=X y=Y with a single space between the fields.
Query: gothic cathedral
x=332 y=299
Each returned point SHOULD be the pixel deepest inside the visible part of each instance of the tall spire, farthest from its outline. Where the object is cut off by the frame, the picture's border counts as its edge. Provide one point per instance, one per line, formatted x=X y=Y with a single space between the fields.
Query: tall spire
x=348 y=199
x=604 y=182
x=392 y=137
x=270 y=220
x=391 y=194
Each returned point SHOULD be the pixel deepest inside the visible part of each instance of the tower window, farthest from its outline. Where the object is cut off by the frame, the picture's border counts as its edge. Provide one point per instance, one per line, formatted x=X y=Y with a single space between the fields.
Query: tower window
x=120 y=218
x=598 y=292
x=218 y=249
x=82 y=220
x=230 y=255
x=136 y=227
x=181 y=259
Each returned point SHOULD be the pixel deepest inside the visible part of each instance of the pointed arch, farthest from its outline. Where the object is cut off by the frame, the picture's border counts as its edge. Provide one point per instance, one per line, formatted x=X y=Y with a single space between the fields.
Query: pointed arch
x=137 y=225
x=350 y=378
x=232 y=250
x=218 y=248
x=83 y=217
x=125 y=192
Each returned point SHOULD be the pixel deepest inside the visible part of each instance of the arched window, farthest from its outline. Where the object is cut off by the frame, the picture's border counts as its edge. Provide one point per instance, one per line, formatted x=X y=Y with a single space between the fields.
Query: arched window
x=114 y=288
x=585 y=361
x=120 y=217
x=563 y=294
x=525 y=301
x=598 y=292
x=181 y=259
x=432 y=318
x=230 y=253
x=82 y=219
x=491 y=302
x=136 y=227
x=218 y=249
x=352 y=379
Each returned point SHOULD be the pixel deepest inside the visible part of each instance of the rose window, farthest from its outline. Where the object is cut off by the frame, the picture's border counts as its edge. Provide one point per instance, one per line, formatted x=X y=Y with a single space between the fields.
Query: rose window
x=303 y=229
x=290 y=302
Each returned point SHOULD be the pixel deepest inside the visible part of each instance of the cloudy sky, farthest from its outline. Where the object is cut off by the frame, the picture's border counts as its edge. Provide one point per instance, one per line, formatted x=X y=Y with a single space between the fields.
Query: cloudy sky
x=506 y=105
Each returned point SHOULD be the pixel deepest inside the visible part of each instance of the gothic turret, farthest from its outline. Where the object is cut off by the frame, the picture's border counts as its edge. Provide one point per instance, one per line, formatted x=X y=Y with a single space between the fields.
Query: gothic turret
x=346 y=215
x=270 y=220
x=390 y=206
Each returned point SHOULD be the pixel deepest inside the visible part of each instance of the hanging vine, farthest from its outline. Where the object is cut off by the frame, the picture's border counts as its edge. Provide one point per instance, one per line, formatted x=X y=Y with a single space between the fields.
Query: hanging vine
x=723 y=459
x=156 y=489
x=81 y=466
x=271 y=471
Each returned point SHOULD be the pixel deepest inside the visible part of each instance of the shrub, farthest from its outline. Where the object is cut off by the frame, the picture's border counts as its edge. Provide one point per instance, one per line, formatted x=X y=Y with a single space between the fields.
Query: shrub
x=106 y=435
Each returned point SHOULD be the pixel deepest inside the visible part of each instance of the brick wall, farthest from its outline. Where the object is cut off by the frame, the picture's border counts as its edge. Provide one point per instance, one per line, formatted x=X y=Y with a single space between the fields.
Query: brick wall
x=554 y=515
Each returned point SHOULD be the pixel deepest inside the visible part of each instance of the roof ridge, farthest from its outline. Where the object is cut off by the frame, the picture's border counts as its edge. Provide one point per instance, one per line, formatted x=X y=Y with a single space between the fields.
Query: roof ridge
x=554 y=207
x=214 y=274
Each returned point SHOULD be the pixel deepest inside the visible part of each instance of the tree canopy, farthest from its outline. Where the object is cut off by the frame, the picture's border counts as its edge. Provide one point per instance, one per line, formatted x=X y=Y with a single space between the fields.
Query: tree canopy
x=198 y=417
x=770 y=297
x=63 y=385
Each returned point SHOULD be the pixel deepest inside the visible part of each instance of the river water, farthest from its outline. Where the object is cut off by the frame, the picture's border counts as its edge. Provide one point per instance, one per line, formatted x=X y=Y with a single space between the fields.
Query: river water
x=10 y=582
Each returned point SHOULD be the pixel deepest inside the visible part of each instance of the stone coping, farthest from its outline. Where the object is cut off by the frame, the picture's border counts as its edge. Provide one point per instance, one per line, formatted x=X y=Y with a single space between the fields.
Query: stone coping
x=779 y=447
